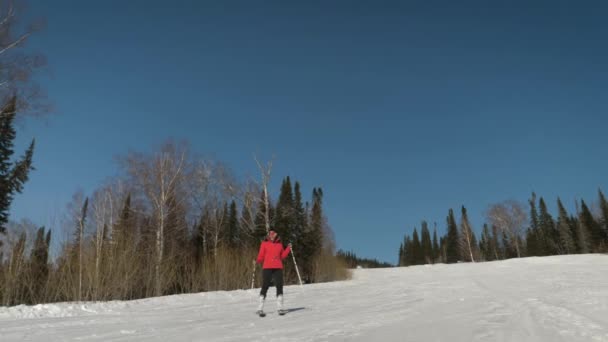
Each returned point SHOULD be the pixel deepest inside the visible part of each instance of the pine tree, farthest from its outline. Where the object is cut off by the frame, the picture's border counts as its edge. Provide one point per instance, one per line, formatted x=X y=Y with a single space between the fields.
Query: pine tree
x=426 y=244
x=566 y=241
x=417 y=257
x=531 y=242
x=233 y=235
x=312 y=241
x=123 y=231
x=408 y=258
x=452 y=240
x=12 y=176
x=301 y=221
x=436 y=249
x=285 y=212
x=535 y=235
x=595 y=231
x=485 y=244
x=39 y=265
x=604 y=224
x=549 y=233
x=497 y=249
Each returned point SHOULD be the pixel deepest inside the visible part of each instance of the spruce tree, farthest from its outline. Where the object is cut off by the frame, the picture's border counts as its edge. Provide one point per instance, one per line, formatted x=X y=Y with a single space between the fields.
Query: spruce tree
x=233 y=235
x=416 y=249
x=535 y=235
x=485 y=244
x=566 y=241
x=301 y=221
x=426 y=243
x=407 y=251
x=452 y=240
x=285 y=212
x=497 y=249
x=595 y=231
x=12 y=175
x=312 y=241
x=436 y=250
x=39 y=265
x=531 y=243
x=549 y=233
x=604 y=223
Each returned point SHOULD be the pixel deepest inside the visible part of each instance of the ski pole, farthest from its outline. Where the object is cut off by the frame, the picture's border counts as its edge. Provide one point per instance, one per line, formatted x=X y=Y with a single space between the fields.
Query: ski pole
x=253 y=275
x=296 y=264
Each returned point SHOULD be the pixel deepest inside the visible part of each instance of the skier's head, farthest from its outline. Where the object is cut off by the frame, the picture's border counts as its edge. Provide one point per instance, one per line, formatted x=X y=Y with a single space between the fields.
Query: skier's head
x=272 y=235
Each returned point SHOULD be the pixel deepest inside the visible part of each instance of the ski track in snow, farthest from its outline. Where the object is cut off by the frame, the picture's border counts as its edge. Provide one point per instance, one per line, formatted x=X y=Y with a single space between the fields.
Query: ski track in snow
x=553 y=299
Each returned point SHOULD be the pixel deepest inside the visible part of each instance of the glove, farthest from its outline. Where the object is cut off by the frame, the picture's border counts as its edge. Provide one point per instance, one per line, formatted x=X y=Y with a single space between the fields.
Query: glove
x=289 y=245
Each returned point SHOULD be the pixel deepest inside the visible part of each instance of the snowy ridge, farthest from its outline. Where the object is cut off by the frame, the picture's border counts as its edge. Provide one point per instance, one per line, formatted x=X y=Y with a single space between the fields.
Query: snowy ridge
x=560 y=298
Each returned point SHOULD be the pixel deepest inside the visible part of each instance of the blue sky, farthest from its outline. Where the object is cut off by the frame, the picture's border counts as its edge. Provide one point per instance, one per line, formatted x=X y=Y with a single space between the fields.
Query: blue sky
x=399 y=110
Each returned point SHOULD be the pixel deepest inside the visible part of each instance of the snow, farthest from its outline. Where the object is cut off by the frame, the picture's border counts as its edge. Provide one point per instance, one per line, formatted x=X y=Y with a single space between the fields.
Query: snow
x=561 y=298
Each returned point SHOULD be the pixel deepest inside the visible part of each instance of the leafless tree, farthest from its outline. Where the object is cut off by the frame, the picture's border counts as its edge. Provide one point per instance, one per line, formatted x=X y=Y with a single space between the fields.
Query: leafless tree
x=159 y=176
x=17 y=65
x=510 y=217
x=265 y=170
x=467 y=245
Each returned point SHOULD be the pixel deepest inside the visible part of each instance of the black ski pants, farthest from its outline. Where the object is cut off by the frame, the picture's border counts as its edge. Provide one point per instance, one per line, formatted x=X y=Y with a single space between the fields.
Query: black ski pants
x=275 y=275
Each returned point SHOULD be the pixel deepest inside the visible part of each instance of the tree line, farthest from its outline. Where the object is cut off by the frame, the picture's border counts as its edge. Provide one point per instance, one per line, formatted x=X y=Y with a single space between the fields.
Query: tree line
x=511 y=233
x=170 y=223
x=353 y=261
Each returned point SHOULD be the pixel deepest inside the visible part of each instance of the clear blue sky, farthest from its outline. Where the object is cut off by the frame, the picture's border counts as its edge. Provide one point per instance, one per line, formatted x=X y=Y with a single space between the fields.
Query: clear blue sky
x=400 y=110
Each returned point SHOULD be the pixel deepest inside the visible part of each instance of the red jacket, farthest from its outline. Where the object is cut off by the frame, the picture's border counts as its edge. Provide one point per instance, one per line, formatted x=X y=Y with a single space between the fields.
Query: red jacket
x=272 y=254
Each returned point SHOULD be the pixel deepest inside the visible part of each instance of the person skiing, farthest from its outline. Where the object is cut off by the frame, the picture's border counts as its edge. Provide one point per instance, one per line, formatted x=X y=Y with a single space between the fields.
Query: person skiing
x=271 y=257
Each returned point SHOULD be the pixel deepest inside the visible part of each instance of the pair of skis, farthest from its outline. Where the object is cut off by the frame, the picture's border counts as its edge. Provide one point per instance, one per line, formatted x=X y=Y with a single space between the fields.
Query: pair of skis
x=263 y=314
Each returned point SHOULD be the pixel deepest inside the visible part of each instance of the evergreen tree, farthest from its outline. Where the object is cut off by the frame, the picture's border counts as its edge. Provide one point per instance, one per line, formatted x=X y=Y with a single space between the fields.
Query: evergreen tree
x=531 y=242
x=426 y=244
x=549 y=234
x=535 y=235
x=497 y=250
x=233 y=235
x=123 y=231
x=39 y=265
x=408 y=257
x=417 y=256
x=604 y=223
x=312 y=241
x=452 y=240
x=436 y=250
x=590 y=224
x=485 y=244
x=443 y=249
x=301 y=221
x=566 y=240
x=285 y=218
x=12 y=176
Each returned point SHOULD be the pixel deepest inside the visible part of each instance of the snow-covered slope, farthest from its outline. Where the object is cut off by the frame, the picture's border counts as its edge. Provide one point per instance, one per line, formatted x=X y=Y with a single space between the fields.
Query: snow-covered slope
x=551 y=299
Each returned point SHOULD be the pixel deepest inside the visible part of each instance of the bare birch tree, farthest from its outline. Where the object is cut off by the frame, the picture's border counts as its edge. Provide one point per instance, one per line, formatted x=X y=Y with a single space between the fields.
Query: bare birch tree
x=17 y=65
x=510 y=217
x=159 y=176
x=467 y=243
x=265 y=170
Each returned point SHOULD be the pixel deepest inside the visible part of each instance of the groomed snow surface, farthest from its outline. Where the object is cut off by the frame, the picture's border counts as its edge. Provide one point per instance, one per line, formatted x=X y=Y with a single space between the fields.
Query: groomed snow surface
x=562 y=298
